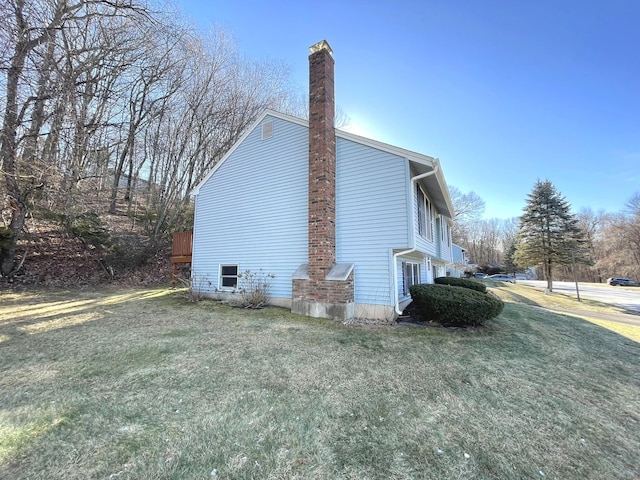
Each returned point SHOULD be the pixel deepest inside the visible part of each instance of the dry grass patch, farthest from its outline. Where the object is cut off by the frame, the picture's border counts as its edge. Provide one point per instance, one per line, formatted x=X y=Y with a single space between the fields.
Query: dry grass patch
x=527 y=295
x=144 y=384
x=588 y=310
x=632 y=332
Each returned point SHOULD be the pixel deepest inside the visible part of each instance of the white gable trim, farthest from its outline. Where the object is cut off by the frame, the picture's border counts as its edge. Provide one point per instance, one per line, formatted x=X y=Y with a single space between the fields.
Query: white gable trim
x=248 y=132
x=401 y=152
x=414 y=157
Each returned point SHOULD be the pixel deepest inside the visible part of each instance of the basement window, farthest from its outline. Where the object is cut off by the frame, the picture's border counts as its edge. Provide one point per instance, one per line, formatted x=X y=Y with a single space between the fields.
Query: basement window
x=228 y=276
x=267 y=130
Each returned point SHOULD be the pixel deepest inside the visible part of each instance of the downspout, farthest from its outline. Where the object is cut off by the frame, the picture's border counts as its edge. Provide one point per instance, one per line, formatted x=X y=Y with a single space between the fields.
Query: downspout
x=414 y=180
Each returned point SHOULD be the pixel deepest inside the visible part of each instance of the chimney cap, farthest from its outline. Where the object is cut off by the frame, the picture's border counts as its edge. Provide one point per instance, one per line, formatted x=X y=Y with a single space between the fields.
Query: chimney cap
x=321 y=45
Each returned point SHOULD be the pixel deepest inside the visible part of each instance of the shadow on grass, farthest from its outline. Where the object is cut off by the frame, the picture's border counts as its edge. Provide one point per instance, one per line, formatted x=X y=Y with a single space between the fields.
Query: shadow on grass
x=61 y=310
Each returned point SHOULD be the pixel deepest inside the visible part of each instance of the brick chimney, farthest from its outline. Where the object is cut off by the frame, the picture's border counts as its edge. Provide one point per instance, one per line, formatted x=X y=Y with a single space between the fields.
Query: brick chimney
x=322 y=287
x=322 y=162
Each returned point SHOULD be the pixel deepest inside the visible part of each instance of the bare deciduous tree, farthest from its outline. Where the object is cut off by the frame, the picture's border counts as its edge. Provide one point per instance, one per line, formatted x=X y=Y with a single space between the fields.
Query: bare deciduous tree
x=99 y=94
x=618 y=242
x=34 y=33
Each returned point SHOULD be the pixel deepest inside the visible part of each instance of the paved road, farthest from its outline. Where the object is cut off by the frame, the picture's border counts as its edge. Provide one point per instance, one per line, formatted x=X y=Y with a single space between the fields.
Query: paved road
x=625 y=297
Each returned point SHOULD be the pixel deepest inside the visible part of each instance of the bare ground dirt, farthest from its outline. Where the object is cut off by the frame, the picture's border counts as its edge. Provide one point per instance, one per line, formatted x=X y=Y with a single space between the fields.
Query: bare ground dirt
x=50 y=257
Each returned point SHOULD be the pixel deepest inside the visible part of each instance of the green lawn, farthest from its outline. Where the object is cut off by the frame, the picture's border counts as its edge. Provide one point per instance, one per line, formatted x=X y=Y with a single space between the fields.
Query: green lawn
x=145 y=385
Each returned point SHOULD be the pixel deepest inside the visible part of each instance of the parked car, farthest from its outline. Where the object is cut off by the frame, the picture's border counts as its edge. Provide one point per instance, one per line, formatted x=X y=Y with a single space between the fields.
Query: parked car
x=501 y=277
x=479 y=275
x=627 y=282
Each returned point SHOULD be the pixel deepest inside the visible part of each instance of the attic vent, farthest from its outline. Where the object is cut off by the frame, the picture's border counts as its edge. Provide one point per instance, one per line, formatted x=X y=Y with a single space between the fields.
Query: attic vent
x=267 y=129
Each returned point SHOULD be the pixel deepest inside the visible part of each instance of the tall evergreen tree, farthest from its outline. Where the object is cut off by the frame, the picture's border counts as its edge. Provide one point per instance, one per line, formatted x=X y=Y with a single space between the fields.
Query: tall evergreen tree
x=549 y=234
x=510 y=263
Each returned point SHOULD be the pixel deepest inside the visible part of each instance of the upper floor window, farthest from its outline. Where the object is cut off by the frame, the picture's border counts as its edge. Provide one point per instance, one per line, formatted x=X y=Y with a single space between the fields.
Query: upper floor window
x=430 y=217
x=422 y=215
x=425 y=215
x=445 y=231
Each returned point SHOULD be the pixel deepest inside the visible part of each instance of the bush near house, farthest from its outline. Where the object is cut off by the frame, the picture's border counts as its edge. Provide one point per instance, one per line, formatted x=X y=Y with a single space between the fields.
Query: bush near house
x=461 y=282
x=451 y=305
x=254 y=288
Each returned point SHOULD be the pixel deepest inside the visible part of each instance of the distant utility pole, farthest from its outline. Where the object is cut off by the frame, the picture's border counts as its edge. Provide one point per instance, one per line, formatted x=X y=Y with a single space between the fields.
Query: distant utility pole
x=573 y=269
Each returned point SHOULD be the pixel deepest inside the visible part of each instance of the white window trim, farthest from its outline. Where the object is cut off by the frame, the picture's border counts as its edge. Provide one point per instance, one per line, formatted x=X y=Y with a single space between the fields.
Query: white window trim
x=425 y=214
x=431 y=216
x=220 y=276
x=422 y=214
x=415 y=276
x=443 y=229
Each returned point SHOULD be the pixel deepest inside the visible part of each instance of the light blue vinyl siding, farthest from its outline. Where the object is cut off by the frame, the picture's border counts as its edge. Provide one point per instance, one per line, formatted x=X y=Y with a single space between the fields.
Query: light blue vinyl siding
x=253 y=210
x=371 y=216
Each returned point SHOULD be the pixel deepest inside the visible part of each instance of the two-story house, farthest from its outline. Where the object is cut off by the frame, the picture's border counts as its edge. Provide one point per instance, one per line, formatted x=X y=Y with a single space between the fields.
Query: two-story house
x=460 y=263
x=345 y=224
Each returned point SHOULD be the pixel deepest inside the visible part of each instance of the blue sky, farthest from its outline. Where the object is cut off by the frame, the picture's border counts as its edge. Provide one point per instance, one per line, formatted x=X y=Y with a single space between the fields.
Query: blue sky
x=502 y=92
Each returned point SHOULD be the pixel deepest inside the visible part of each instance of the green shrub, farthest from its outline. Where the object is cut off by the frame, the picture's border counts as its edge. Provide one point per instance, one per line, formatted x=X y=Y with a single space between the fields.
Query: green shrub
x=462 y=282
x=452 y=305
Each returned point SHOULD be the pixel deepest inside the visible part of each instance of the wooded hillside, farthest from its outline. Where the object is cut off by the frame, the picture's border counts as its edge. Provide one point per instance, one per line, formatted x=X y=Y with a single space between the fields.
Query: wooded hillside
x=112 y=111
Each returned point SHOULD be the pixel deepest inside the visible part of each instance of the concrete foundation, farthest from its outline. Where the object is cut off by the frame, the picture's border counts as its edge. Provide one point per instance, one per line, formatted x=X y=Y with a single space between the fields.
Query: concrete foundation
x=341 y=312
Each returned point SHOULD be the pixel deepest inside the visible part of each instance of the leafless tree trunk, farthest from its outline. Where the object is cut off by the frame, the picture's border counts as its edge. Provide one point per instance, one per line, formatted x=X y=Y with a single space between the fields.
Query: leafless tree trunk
x=31 y=29
x=103 y=89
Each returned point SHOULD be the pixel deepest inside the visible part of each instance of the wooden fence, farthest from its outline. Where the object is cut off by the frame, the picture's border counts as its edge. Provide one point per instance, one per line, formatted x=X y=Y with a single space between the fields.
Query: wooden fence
x=181 y=250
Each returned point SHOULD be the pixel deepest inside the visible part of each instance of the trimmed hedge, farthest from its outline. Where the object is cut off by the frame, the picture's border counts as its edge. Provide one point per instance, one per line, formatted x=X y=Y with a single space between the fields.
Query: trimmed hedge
x=452 y=305
x=462 y=282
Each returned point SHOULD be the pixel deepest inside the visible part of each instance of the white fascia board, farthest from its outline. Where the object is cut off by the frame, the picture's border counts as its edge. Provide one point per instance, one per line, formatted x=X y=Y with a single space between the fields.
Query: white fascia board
x=445 y=192
x=401 y=152
x=411 y=156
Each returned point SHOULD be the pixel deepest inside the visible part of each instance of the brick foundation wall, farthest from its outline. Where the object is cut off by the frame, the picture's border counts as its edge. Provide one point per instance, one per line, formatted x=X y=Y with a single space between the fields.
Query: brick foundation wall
x=325 y=291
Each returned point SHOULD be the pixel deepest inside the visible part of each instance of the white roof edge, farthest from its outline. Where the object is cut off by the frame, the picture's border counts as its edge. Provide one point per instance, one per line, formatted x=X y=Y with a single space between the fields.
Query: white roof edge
x=402 y=152
x=246 y=133
x=445 y=190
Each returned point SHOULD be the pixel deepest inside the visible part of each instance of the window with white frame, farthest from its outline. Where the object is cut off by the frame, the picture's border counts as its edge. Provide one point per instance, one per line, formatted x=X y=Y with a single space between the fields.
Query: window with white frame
x=422 y=214
x=410 y=276
x=228 y=277
x=425 y=217
x=444 y=227
x=432 y=216
x=445 y=231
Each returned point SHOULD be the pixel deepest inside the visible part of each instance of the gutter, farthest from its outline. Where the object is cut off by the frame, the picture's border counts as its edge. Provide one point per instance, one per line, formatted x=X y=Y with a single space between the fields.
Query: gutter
x=414 y=180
